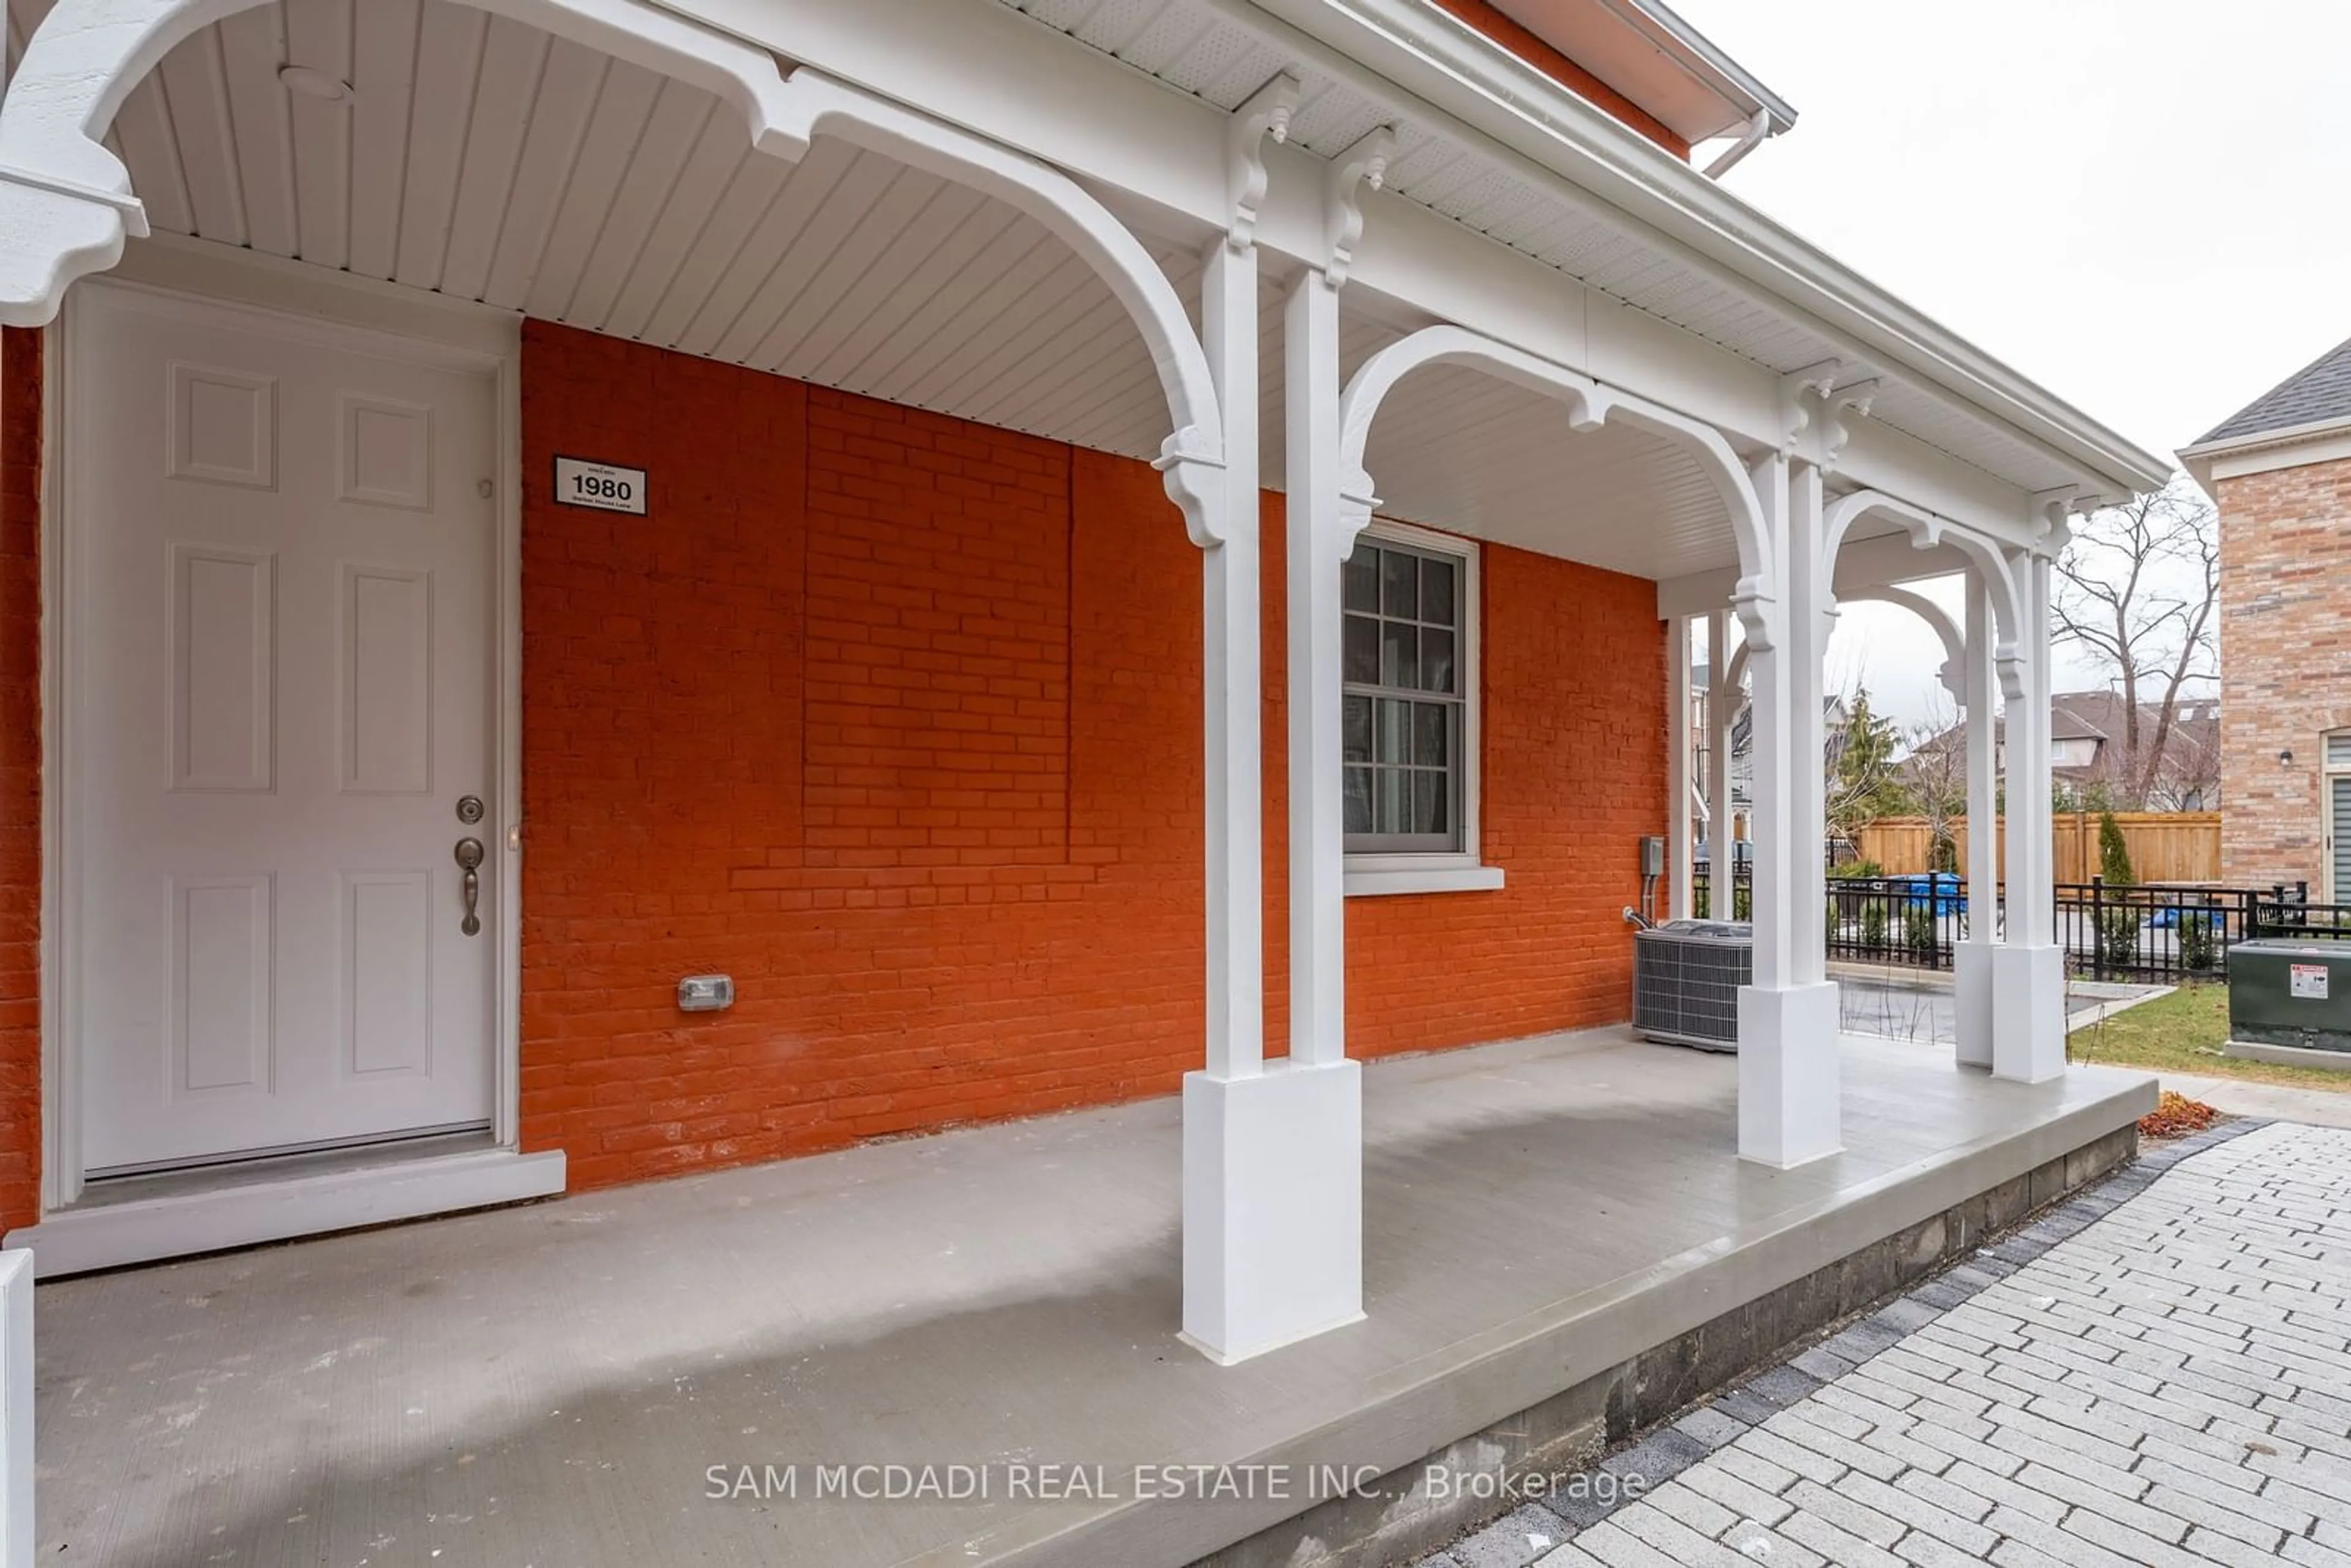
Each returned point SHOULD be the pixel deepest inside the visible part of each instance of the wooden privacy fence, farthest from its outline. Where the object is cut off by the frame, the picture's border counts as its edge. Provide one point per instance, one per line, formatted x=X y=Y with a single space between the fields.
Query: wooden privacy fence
x=2165 y=846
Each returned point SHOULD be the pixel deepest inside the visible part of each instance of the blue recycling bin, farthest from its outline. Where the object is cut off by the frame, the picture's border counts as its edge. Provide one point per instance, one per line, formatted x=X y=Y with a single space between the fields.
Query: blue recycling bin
x=1938 y=891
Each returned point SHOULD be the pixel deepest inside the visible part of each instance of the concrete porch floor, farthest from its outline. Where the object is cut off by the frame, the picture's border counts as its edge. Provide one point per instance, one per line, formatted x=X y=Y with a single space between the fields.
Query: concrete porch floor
x=550 y=1384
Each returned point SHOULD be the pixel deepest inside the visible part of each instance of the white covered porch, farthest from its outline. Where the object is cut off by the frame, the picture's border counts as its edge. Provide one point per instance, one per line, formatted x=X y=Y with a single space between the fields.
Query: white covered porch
x=622 y=1377
x=1289 y=273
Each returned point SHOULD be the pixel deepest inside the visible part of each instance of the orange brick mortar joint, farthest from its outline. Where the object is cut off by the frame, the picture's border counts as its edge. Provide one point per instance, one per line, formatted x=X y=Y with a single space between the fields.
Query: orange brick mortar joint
x=897 y=720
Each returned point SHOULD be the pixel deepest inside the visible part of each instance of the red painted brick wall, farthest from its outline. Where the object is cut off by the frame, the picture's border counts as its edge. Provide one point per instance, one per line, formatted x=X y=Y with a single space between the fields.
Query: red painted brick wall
x=897 y=720
x=20 y=777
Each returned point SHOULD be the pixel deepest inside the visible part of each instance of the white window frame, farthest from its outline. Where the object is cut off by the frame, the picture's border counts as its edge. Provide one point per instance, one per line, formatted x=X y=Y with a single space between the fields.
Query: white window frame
x=1372 y=875
x=2329 y=770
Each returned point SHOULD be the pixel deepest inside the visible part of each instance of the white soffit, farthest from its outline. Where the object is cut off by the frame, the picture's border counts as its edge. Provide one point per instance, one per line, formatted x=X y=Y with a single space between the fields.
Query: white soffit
x=1193 y=46
x=557 y=182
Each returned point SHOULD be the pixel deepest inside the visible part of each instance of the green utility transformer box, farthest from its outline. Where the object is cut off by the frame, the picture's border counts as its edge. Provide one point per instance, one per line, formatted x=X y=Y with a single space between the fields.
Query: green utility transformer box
x=2291 y=993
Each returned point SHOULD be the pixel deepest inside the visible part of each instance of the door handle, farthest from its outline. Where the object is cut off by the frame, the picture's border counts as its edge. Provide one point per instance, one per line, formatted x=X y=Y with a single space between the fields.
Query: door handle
x=469 y=860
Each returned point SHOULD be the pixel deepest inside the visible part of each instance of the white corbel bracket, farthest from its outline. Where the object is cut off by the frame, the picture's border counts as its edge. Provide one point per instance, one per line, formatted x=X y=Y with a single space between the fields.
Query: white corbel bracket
x=1799 y=389
x=1758 y=614
x=1817 y=410
x=1195 y=481
x=1366 y=164
x=2008 y=662
x=1357 y=503
x=2050 y=518
x=1266 y=114
x=1842 y=407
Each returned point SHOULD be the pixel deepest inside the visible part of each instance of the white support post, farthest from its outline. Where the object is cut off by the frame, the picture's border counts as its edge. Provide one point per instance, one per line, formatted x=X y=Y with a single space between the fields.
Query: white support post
x=1681 y=838
x=1317 y=867
x=2029 y=984
x=1971 y=959
x=1274 y=1151
x=1722 y=825
x=1231 y=704
x=16 y=1542
x=1789 y=1091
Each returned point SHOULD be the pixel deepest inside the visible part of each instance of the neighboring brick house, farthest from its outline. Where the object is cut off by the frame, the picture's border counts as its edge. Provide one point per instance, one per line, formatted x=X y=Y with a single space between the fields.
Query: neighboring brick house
x=2279 y=471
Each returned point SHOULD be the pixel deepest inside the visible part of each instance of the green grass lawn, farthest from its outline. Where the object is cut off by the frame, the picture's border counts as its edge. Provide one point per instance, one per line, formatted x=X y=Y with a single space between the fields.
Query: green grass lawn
x=2183 y=1033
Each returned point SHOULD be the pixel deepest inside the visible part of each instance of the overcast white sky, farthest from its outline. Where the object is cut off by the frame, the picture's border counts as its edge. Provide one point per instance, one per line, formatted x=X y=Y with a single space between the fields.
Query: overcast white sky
x=2139 y=203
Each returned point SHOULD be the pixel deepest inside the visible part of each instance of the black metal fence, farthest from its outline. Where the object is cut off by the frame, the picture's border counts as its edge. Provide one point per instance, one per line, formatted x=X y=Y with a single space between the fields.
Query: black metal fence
x=1915 y=920
x=2164 y=934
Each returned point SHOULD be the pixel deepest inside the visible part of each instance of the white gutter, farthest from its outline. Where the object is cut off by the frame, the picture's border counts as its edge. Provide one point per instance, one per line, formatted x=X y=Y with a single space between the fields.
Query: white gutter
x=1468 y=76
x=1757 y=129
x=1698 y=57
x=2315 y=441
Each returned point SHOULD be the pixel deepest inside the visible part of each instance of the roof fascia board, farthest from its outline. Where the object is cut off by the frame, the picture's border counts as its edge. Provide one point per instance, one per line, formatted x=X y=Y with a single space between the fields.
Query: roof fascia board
x=1703 y=59
x=2254 y=440
x=2326 y=441
x=1480 y=84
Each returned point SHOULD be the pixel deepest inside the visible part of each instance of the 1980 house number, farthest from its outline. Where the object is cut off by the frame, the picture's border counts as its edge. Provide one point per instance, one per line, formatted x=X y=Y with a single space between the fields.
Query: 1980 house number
x=602 y=486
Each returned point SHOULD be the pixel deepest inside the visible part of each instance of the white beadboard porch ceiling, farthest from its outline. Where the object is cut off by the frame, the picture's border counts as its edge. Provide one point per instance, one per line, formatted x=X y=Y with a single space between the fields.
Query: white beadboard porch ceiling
x=554 y=180
x=1196 y=49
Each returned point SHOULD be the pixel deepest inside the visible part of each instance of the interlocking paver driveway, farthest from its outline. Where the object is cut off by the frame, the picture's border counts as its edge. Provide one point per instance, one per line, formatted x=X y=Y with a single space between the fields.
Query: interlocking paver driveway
x=2157 y=1373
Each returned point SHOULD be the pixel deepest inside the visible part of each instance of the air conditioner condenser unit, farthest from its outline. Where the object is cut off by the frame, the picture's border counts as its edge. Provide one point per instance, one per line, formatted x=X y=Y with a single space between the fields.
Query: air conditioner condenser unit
x=1685 y=981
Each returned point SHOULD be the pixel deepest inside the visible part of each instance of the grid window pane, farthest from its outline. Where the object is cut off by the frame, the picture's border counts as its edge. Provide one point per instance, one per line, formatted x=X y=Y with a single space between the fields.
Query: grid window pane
x=1437 y=591
x=1402 y=715
x=1437 y=673
x=1399 y=583
x=1429 y=722
x=1359 y=801
x=1399 y=656
x=1356 y=728
x=1360 y=655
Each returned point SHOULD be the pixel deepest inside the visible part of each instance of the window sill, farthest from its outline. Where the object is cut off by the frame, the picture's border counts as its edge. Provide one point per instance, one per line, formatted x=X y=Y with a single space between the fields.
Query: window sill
x=1448 y=879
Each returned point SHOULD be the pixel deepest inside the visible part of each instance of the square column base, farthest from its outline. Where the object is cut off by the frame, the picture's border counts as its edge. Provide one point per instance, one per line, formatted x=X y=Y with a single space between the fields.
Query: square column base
x=1972 y=1000
x=1273 y=1207
x=2028 y=1013
x=1789 y=1074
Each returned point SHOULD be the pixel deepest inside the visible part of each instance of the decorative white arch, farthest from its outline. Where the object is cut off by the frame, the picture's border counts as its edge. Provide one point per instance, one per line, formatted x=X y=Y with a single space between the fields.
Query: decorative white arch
x=1937 y=618
x=66 y=206
x=1591 y=405
x=1926 y=530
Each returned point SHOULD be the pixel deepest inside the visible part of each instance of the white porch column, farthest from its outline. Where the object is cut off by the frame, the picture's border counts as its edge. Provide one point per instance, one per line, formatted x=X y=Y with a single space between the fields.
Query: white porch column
x=1788 y=1022
x=1681 y=839
x=2029 y=968
x=1274 y=1151
x=1258 y=1257
x=1971 y=959
x=1722 y=825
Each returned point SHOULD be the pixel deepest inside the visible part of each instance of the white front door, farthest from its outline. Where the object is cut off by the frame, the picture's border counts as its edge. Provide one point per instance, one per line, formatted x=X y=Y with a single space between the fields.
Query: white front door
x=278 y=687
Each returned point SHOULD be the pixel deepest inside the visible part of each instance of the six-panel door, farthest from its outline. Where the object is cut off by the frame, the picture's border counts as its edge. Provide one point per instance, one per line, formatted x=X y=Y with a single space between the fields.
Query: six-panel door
x=279 y=678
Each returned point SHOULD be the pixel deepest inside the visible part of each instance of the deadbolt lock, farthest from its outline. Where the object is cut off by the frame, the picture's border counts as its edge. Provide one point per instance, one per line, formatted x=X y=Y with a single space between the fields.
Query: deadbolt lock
x=470 y=809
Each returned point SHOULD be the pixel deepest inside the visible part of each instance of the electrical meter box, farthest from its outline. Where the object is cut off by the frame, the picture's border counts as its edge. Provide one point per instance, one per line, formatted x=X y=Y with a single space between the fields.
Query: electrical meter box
x=2282 y=991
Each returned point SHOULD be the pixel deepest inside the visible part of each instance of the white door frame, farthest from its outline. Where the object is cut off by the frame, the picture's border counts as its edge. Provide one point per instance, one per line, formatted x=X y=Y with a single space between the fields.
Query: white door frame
x=2328 y=772
x=215 y=283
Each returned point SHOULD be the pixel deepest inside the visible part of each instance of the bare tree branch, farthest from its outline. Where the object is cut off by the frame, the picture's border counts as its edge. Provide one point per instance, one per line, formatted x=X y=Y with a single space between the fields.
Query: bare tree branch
x=2135 y=591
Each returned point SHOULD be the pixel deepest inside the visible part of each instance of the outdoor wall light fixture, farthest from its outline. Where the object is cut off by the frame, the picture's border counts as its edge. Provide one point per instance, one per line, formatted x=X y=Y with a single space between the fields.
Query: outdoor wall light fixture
x=2285 y=757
